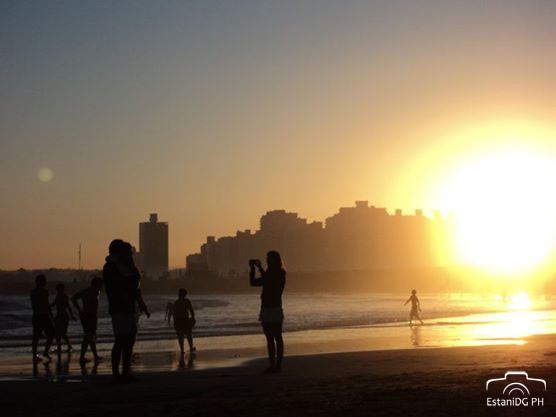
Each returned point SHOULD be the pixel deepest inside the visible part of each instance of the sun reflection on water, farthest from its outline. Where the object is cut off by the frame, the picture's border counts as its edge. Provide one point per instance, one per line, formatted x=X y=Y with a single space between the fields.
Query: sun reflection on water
x=512 y=326
x=519 y=302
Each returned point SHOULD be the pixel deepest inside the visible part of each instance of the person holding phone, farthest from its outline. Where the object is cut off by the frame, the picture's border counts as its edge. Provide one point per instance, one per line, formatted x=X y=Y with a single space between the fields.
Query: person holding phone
x=272 y=280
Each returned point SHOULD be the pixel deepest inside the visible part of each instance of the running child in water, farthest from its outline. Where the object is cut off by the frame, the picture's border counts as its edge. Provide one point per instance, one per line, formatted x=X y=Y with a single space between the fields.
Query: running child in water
x=415 y=307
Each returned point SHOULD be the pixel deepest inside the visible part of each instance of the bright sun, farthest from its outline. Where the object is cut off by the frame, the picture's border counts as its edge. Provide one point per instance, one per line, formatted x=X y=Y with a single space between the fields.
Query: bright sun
x=499 y=182
x=505 y=209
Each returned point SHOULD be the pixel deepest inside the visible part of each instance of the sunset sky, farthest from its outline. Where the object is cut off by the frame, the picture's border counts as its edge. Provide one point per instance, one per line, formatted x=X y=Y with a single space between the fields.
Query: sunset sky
x=213 y=112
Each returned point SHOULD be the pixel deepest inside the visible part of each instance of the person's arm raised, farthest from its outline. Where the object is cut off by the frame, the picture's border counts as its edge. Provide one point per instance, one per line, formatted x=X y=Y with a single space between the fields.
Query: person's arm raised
x=253 y=280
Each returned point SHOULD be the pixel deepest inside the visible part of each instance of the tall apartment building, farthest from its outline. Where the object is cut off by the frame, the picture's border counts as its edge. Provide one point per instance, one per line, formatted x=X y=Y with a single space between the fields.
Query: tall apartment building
x=153 y=247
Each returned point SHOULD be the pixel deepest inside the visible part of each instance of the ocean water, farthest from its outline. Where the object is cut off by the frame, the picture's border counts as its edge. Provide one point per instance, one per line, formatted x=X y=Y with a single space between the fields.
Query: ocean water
x=228 y=334
x=228 y=315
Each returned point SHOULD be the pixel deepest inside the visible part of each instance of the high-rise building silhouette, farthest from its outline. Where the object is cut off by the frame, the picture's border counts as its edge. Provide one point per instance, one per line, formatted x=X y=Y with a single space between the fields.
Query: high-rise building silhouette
x=356 y=238
x=153 y=247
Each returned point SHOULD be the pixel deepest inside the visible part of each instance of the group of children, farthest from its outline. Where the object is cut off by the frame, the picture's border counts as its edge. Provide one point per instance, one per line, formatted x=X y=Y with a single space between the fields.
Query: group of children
x=85 y=303
x=44 y=322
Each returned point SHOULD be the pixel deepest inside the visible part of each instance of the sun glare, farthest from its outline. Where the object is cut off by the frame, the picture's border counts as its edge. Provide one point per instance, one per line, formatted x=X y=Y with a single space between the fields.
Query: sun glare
x=506 y=211
x=519 y=301
x=504 y=206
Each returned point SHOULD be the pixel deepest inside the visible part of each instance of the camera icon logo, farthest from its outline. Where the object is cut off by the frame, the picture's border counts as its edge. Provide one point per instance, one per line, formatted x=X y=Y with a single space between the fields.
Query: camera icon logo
x=516 y=383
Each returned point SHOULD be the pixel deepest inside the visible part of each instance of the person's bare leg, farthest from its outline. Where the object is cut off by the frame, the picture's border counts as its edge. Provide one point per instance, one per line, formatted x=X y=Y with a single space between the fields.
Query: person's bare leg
x=35 y=345
x=190 y=341
x=84 y=345
x=279 y=350
x=271 y=348
x=180 y=342
x=47 y=346
x=117 y=355
x=68 y=343
x=94 y=348
x=127 y=354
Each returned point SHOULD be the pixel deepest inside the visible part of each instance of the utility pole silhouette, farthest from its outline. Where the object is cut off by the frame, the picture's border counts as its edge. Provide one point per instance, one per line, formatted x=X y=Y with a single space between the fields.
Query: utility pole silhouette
x=79 y=264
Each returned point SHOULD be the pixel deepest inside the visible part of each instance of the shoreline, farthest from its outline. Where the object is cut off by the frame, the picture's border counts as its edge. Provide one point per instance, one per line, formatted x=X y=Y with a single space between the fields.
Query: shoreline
x=229 y=316
x=428 y=382
x=217 y=351
x=168 y=333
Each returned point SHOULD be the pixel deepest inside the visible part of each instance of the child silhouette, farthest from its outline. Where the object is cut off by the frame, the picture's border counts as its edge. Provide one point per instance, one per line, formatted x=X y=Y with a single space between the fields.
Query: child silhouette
x=415 y=307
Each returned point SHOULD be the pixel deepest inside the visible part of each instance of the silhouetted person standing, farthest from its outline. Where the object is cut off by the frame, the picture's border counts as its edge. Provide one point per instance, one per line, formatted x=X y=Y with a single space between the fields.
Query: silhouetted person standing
x=89 y=317
x=184 y=320
x=271 y=315
x=415 y=307
x=63 y=315
x=42 y=317
x=121 y=281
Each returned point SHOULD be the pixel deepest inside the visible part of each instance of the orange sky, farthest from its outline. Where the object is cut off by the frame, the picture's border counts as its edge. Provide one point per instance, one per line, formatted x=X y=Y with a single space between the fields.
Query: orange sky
x=211 y=115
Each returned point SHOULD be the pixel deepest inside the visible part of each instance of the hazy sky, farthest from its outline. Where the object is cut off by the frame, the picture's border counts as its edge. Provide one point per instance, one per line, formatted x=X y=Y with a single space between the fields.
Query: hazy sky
x=213 y=112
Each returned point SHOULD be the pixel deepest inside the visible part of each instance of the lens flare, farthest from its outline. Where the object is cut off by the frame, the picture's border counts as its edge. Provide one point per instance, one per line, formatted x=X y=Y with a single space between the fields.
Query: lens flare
x=45 y=174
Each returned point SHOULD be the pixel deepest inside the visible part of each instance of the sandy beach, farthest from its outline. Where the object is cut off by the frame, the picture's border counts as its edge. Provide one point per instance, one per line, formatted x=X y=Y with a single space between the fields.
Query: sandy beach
x=414 y=382
x=384 y=369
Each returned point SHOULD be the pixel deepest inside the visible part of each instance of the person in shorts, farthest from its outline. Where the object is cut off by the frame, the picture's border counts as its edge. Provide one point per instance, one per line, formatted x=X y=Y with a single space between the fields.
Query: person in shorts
x=184 y=320
x=63 y=315
x=88 y=313
x=42 y=318
x=122 y=284
x=272 y=280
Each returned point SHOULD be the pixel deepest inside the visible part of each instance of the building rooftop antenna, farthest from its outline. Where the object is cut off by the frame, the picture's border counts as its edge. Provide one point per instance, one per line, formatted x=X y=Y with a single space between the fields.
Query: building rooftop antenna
x=79 y=264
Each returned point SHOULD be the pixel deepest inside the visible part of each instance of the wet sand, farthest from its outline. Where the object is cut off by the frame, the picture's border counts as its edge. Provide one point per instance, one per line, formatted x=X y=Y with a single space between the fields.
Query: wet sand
x=409 y=382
